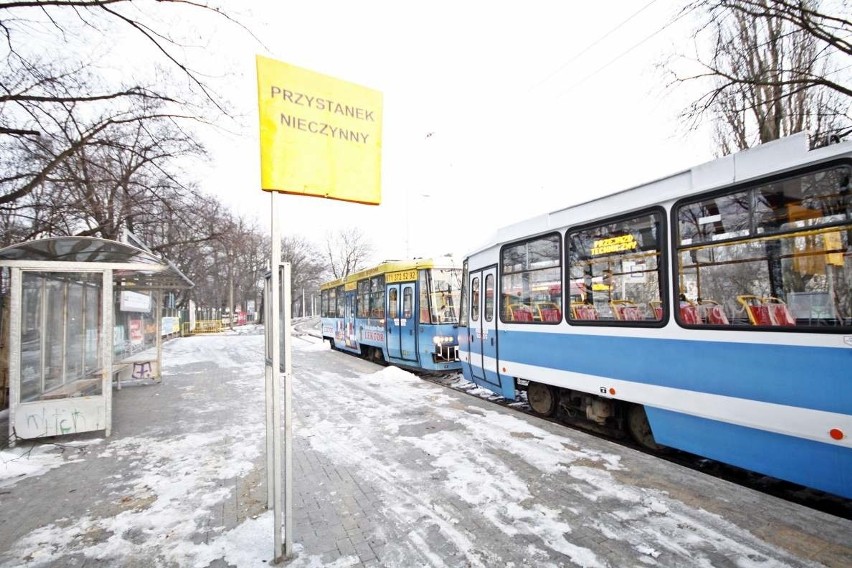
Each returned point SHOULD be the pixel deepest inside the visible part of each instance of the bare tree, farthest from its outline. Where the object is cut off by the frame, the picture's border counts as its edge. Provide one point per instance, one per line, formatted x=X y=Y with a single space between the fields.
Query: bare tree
x=90 y=150
x=251 y=261
x=772 y=68
x=110 y=183
x=306 y=269
x=347 y=250
x=50 y=108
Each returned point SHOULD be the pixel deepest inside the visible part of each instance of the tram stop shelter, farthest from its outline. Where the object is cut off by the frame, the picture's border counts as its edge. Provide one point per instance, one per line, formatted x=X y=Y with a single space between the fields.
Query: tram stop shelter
x=62 y=352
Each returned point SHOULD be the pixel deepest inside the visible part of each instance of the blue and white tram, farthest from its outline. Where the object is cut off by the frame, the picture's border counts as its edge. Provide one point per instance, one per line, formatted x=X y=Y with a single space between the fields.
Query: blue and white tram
x=400 y=312
x=709 y=311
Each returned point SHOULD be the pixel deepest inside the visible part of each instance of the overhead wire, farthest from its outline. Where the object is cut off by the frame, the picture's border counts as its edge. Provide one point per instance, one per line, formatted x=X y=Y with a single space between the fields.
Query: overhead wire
x=626 y=52
x=593 y=44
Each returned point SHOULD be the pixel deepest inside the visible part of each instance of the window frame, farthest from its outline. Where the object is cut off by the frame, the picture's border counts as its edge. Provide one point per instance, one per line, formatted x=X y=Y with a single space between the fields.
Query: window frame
x=662 y=266
x=560 y=259
x=751 y=187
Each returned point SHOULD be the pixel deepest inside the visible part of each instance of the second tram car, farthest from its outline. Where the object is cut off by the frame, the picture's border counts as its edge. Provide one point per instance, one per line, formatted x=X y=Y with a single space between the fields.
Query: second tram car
x=399 y=312
x=709 y=311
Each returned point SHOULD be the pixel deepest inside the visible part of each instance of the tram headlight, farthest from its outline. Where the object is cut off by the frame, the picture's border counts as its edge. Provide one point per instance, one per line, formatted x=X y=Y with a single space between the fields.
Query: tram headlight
x=442 y=340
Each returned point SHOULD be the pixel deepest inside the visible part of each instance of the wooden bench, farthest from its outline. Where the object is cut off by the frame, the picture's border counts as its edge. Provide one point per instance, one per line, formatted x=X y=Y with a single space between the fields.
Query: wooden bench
x=142 y=367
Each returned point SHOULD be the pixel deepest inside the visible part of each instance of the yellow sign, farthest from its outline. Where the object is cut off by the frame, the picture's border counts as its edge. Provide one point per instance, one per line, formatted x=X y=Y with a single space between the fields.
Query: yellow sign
x=832 y=241
x=614 y=244
x=402 y=276
x=319 y=136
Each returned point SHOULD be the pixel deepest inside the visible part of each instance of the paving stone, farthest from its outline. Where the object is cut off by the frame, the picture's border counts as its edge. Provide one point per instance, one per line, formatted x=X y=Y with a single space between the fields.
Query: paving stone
x=408 y=512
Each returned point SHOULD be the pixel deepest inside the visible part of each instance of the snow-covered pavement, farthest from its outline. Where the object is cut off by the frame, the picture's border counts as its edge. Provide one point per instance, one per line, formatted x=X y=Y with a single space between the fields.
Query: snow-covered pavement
x=389 y=470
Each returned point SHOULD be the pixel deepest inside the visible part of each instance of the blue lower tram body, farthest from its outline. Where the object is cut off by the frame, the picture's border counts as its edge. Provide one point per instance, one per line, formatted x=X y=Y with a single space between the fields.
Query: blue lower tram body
x=815 y=378
x=417 y=351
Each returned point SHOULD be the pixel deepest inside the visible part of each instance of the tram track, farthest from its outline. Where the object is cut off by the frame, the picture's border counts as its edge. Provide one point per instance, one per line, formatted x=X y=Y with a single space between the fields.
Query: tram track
x=806 y=497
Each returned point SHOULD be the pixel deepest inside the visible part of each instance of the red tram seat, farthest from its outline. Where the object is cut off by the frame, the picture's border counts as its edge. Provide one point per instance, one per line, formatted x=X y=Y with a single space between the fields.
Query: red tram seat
x=761 y=315
x=520 y=312
x=625 y=310
x=548 y=311
x=711 y=312
x=758 y=313
x=551 y=314
x=689 y=314
x=779 y=314
x=585 y=312
x=657 y=308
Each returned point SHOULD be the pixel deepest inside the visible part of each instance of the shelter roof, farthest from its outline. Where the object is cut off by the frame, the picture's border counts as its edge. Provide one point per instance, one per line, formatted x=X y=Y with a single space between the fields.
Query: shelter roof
x=132 y=267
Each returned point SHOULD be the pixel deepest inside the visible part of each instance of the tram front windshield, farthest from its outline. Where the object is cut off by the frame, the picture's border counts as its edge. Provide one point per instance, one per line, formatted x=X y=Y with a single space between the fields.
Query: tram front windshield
x=444 y=294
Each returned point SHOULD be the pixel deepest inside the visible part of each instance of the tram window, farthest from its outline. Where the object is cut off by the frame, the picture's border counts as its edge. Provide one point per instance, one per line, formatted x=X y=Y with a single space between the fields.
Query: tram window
x=393 y=303
x=489 y=297
x=614 y=270
x=363 y=310
x=812 y=200
x=474 y=299
x=329 y=303
x=722 y=217
x=427 y=313
x=463 y=314
x=531 y=281
x=790 y=267
x=377 y=297
x=440 y=294
x=407 y=301
x=340 y=308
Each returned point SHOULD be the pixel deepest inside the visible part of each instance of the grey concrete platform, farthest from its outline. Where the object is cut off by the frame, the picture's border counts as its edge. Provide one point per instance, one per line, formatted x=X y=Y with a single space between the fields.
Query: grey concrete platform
x=389 y=470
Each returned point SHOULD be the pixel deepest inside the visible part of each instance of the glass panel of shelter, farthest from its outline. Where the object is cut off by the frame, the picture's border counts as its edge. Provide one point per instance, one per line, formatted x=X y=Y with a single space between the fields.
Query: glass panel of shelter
x=63 y=361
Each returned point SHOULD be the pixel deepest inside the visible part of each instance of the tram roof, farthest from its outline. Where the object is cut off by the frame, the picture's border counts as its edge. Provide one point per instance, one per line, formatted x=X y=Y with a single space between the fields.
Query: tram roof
x=394 y=266
x=132 y=267
x=770 y=158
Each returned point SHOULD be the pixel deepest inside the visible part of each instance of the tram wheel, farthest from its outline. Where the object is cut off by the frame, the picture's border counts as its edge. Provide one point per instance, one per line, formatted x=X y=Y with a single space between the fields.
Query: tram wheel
x=542 y=398
x=377 y=356
x=640 y=429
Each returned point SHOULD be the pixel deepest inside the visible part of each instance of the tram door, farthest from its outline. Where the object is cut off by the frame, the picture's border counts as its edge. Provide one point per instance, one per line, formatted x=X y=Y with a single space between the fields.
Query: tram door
x=350 y=339
x=400 y=324
x=483 y=325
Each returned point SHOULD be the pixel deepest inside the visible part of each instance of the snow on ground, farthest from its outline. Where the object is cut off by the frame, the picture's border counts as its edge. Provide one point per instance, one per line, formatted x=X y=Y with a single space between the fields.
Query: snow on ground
x=467 y=455
x=460 y=454
x=176 y=482
x=34 y=460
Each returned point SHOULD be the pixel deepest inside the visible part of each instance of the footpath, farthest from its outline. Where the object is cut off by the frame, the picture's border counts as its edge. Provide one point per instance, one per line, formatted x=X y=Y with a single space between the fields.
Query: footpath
x=389 y=470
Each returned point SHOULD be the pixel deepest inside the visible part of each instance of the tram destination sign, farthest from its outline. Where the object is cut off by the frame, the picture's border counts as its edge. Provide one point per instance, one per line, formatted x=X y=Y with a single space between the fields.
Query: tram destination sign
x=319 y=136
x=401 y=276
x=614 y=244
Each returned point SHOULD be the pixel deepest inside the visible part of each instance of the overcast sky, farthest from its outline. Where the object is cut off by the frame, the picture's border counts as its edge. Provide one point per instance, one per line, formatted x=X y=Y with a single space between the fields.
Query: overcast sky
x=493 y=111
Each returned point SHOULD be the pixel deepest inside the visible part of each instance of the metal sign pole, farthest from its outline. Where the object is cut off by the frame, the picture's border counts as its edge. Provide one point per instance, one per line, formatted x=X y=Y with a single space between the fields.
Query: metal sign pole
x=288 y=418
x=275 y=331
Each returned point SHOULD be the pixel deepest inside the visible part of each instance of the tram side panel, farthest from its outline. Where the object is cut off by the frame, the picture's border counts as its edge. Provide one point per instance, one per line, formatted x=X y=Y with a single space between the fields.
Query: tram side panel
x=739 y=403
x=760 y=380
x=399 y=312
